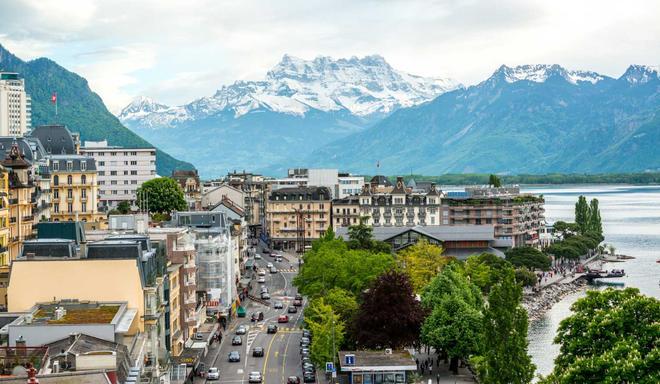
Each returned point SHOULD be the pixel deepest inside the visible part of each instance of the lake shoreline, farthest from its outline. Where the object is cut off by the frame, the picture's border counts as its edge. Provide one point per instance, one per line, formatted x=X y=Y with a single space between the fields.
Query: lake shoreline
x=538 y=303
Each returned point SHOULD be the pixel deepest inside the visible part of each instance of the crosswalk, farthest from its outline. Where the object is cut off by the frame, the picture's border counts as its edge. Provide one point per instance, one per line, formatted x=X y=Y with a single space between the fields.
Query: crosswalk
x=252 y=334
x=288 y=270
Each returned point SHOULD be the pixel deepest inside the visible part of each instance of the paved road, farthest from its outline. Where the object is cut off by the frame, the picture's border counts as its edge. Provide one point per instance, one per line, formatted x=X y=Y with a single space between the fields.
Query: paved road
x=282 y=355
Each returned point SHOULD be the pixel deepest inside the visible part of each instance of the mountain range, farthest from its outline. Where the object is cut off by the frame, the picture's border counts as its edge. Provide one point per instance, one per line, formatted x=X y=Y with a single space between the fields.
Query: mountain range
x=80 y=109
x=272 y=123
x=355 y=113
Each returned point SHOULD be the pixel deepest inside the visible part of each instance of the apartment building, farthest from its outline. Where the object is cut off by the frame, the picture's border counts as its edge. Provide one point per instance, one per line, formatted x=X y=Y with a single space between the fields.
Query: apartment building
x=121 y=171
x=192 y=187
x=256 y=189
x=75 y=190
x=340 y=184
x=4 y=228
x=15 y=105
x=297 y=216
x=346 y=212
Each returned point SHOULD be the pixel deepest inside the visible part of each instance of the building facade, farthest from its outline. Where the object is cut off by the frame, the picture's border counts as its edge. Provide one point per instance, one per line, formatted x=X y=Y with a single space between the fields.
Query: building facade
x=75 y=189
x=340 y=184
x=192 y=187
x=121 y=171
x=297 y=216
x=256 y=190
x=15 y=105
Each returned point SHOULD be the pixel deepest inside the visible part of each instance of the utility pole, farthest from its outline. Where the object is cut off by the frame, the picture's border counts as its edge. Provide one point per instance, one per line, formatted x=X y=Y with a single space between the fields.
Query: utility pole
x=333 y=350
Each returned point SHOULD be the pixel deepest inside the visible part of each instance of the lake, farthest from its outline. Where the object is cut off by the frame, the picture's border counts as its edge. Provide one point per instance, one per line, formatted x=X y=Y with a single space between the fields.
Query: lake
x=631 y=222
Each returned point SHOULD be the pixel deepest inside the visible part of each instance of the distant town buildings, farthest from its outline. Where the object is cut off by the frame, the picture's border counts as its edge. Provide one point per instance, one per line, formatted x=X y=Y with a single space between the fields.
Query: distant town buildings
x=121 y=171
x=339 y=184
x=15 y=105
x=192 y=187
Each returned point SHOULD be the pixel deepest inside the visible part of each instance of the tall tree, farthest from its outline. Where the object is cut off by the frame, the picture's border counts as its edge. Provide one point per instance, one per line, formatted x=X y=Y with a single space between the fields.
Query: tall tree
x=582 y=214
x=595 y=222
x=343 y=303
x=124 y=207
x=161 y=195
x=495 y=181
x=422 y=262
x=528 y=257
x=361 y=234
x=327 y=331
x=485 y=270
x=613 y=336
x=505 y=359
x=390 y=315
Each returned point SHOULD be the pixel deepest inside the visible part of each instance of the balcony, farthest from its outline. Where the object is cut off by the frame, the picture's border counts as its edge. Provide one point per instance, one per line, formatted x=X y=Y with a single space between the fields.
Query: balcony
x=190 y=299
x=189 y=282
x=28 y=218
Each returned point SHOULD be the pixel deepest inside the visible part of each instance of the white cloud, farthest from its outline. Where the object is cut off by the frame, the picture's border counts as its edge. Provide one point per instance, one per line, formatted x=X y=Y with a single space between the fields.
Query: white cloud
x=176 y=51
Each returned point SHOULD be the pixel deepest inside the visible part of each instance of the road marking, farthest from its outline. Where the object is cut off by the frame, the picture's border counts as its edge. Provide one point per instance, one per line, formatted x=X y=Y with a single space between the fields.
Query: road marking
x=239 y=371
x=266 y=359
x=286 y=347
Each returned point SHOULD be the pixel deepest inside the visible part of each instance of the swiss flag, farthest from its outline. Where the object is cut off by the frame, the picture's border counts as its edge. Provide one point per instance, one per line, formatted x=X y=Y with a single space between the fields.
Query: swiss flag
x=53 y=98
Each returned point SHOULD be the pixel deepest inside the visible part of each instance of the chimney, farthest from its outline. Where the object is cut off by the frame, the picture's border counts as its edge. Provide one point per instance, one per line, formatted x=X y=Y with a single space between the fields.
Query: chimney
x=21 y=346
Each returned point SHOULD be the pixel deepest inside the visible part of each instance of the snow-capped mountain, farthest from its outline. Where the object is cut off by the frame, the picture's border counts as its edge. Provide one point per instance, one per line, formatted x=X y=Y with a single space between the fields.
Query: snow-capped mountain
x=362 y=86
x=641 y=74
x=539 y=73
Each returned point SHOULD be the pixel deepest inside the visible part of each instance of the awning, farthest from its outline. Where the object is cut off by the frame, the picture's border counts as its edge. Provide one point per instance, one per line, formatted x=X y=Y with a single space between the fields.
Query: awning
x=249 y=263
x=244 y=282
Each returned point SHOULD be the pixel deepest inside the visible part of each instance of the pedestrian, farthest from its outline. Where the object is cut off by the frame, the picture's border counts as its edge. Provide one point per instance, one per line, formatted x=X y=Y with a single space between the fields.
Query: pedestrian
x=431 y=369
x=417 y=362
x=437 y=379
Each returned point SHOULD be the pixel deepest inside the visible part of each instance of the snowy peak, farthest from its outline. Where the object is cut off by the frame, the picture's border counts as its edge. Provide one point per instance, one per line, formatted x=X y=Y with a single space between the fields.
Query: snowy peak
x=539 y=73
x=139 y=107
x=641 y=74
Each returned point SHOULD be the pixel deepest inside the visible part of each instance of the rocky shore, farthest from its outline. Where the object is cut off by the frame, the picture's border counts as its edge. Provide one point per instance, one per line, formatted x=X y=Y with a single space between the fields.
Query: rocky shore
x=538 y=303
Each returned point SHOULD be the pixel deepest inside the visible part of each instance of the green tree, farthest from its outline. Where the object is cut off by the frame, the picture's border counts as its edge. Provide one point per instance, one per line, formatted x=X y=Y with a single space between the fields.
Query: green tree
x=361 y=237
x=494 y=181
x=343 y=303
x=389 y=315
x=525 y=277
x=582 y=214
x=613 y=336
x=422 y=261
x=161 y=195
x=327 y=331
x=486 y=269
x=124 y=207
x=595 y=222
x=505 y=359
x=565 y=228
x=528 y=257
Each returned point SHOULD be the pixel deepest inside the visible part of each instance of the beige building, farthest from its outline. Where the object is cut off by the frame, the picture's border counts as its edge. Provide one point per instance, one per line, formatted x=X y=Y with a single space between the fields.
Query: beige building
x=75 y=190
x=256 y=190
x=298 y=216
x=192 y=187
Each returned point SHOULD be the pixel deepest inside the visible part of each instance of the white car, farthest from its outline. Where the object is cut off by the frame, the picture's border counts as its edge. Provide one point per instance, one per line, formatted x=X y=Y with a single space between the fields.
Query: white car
x=257 y=256
x=213 y=374
x=262 y=272
x=254 y=377
x=269 y=265
x=261 y=280
x=241 y=330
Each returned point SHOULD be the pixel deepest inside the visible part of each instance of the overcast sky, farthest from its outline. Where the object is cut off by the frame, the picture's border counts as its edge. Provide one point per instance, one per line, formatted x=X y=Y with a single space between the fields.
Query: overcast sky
x=177 y=51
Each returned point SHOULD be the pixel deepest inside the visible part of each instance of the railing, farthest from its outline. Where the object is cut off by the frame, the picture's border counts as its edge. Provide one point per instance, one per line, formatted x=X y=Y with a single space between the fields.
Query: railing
x=28 y=218
x=13 y=201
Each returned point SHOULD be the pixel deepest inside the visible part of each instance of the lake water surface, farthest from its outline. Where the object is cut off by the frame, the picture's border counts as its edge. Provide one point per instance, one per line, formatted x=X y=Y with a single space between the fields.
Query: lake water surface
x=631 y=222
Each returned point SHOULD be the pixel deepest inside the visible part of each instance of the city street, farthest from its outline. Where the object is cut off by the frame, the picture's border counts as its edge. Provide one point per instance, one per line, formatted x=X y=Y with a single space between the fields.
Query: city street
x=281 y=350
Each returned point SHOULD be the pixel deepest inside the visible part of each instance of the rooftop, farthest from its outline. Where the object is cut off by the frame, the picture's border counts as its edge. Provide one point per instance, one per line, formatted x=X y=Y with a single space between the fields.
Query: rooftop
x=377 y=360
x=75 y=313
x=439 y=232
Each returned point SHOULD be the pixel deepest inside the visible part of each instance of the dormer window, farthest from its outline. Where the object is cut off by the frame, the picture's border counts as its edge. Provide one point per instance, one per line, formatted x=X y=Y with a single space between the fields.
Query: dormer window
x=69 y=166
x=56 y=166
x=83 y=165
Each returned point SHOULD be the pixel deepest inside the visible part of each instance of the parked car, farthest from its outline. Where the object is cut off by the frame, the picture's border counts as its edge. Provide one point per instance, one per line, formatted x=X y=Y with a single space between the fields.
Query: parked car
x=298 y=296
x=261 y=272
x=258 y=352
x=309 y=377
x=273 y=270
x=283 y=319
x=306 y=333
x=261 y=280
x=213 y=374
x=278 y=305
x=304 y=340
x=269 y=265
x=237 y=341
x=292 y=309
x=266 y=251
x=304 y=351
x=234 y=357
x=265 y=296
x=257 y=256
x=264 y=289
x=272 y=328
x=297 y=303
x=257 y=316
x=198 y=336
x=305 y=359
x=241 y=330
x=254 y=377
x=293 y=380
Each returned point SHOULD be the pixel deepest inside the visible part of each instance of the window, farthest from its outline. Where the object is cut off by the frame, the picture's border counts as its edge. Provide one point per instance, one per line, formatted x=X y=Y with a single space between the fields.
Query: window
x=101 y=163
x=113 y=182
x=133 y=162
x=102 y=182
x=56 y=180
x=56 y=193
x=101 y=173
x=70 y=207
x=83 y=193
x=83 y=165
x=56 y=208
x=126 y=172
x=113 y=153
x=69 y=179
x=83 y=179
x=125 y=182
x=69 y=193
x=113 y=173
x=133 y=173
x=125 y=162
x=114 y=192
x=133 y=181
x=84 y=207
x=69 y=166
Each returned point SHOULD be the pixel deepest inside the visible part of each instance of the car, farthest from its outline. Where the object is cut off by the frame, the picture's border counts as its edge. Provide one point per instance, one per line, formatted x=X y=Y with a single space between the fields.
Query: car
x=278 y=258
x=304 y=340
x=283 y=319
x=304 y=351
x=297 y=303
x=261 y=272
x=257 y=256
x=269 y=265
x=237 y=341
x=305 y=359
x=254 y=377
x=309 y=377
x=258 y=352
x=298 y=296
x=293 y=380
x=306 y=333
x=292 y=309
x=278 y=305
x=198 y=336
x=264 y=289
x=241 y=330
x=257 y=316
x=273 y=270
x=213 y=374
x=265 y=296
x=266 y=251
x=234 y=357
x=261 y=280
x=308 y=367
x=272 y=328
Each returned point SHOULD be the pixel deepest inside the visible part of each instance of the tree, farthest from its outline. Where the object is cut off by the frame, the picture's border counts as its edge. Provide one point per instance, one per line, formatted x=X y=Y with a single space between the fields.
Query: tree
x=327 y=331
x=390 y=315
x=505 y=358
x=486 y=269
x=595 y=222
x=525 y=277
x=451 y=281
x=343 y=303
x=582 y=214
x=565 y=228
x=612 y=336
x=124 y=207
x=161 y=195
x=494 y=181
x=612 y=249
x=528 y=257
x=361 y=237
x=422 y=261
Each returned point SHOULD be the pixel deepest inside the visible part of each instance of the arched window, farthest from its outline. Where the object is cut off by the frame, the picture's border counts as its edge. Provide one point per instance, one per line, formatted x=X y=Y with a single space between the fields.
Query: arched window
x=83 y=179
x=56 y=180
x=69 y=179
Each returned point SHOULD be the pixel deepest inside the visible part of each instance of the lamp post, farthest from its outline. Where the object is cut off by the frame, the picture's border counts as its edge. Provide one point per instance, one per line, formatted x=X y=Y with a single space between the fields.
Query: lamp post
x=334 y=367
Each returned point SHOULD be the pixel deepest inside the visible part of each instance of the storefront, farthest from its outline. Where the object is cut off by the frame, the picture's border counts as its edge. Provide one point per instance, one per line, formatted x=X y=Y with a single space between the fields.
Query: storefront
x=376 y=367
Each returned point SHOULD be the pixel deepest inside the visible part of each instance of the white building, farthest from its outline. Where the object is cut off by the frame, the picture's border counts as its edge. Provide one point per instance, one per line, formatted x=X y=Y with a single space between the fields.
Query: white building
x=340 y=184
x=15 y=105
x=121 y=171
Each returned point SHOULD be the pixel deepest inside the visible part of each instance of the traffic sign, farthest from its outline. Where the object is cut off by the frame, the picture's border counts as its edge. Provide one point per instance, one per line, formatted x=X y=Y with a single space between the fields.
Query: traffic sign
x=329 y=367
x=349 y=360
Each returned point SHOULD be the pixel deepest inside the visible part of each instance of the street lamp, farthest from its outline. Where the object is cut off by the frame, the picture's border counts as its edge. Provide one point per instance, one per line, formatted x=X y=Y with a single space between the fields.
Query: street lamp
x=334 y=367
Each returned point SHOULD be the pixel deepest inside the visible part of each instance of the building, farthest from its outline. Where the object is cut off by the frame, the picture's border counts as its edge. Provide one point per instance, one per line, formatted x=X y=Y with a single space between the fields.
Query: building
x=212 y=196
x=75 y=189
x=517 y=217
x=340 y=185
x=56 y=139
x=346 y=212
x=121 y=171
x=256 y=190
x=192 y=187
x=398 y=206
x=15 y=105
x=4 y=219
x=297 y=216
x=362 y=367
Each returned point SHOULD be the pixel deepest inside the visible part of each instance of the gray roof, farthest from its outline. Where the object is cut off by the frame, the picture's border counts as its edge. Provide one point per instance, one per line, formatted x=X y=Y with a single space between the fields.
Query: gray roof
x=438 y=232
x=56 y=139
x=27 y=145
x=75 y=160
x=375 y=359
x=205 y=219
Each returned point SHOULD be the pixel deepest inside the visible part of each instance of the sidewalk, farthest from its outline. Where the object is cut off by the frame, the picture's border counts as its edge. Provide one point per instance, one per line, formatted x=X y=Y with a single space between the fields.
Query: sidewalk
x=210 y=359
x=439 y=372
